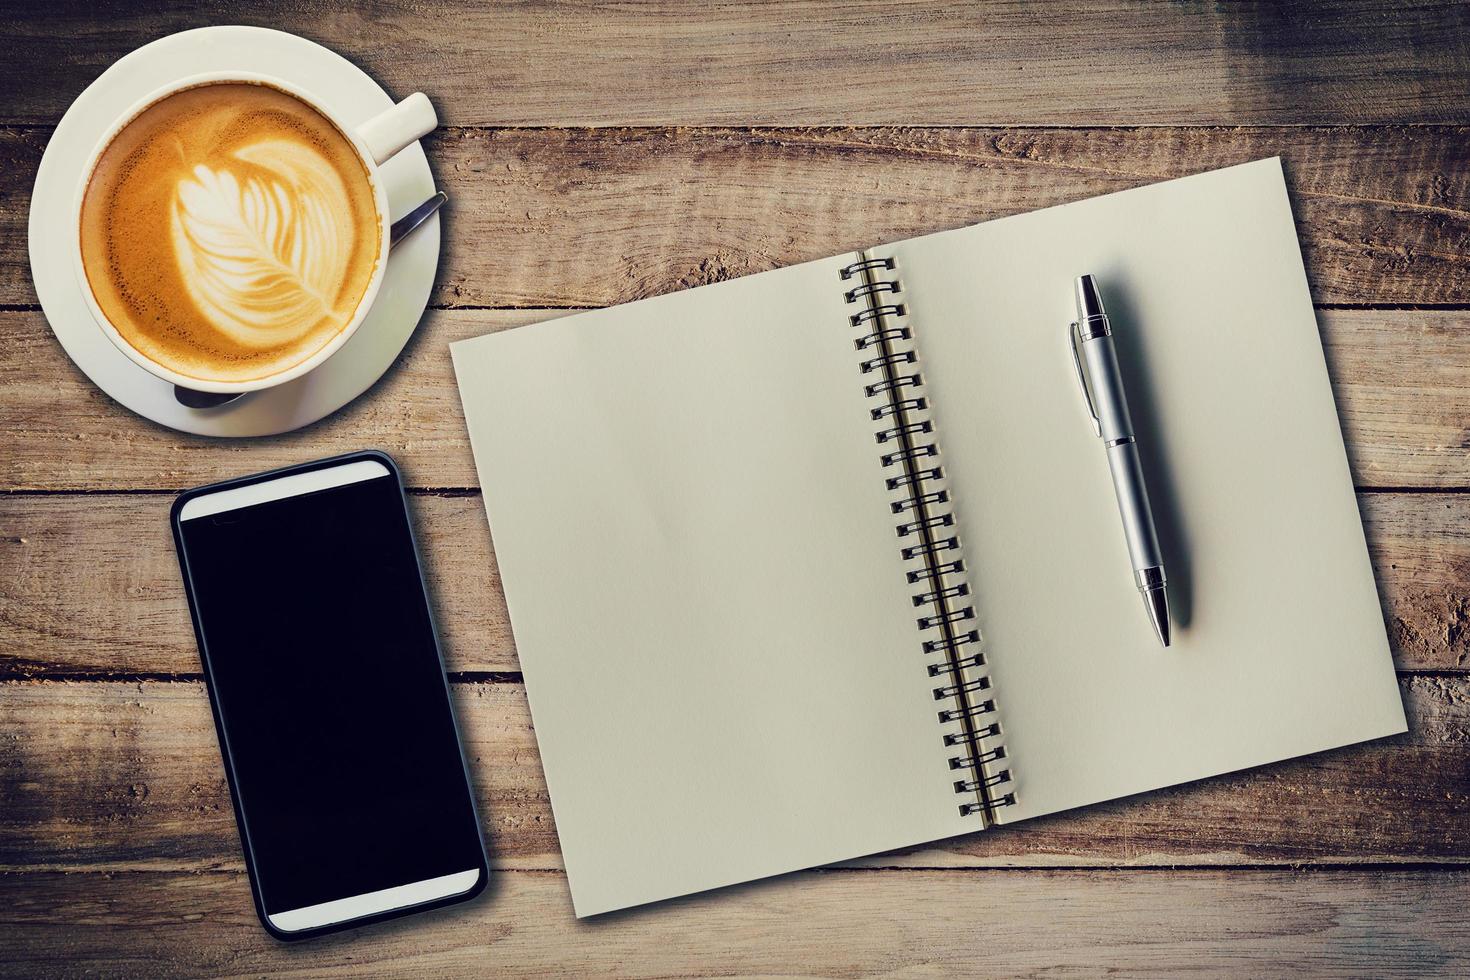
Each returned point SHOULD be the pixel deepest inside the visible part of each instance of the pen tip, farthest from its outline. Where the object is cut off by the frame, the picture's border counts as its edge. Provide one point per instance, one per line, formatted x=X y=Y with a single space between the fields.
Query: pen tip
x=1157 y=602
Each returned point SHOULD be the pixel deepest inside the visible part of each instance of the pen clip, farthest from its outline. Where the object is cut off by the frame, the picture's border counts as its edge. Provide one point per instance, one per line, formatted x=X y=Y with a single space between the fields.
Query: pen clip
x=1072 y=340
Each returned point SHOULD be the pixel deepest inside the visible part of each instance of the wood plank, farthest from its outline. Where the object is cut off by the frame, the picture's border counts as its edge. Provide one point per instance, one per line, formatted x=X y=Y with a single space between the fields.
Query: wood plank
x=1402 y=381
x=818 y=924
x=127 y=776
x=1420 y=545
x=578 y=218
x=20 y=156
x=856 y=62
x=92 y=586
x=1403 y=397
x=592 y=218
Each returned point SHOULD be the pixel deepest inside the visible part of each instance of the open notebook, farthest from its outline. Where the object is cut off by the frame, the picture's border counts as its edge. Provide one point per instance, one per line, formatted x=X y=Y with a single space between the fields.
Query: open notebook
x=742 y=658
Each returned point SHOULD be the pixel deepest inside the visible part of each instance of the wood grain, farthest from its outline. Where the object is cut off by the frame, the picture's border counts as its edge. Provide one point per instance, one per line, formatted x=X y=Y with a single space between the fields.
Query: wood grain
x=557 y=218
x=127 y=776
x=1402 y=379
x=592 y=218
x=726 y=140
x=818 y=924
x=859 y=62
x=91 y=586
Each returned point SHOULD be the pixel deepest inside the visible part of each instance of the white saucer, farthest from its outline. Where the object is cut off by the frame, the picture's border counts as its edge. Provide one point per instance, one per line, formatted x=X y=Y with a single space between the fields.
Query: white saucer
x=351 y=95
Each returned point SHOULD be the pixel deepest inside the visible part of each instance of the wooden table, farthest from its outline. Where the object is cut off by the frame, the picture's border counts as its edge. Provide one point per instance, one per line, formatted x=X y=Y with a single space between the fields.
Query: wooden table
x=599 y=155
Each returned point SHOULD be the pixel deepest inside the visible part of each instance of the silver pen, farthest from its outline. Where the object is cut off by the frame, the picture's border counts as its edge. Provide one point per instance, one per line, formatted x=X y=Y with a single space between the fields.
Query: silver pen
x=1102 y=386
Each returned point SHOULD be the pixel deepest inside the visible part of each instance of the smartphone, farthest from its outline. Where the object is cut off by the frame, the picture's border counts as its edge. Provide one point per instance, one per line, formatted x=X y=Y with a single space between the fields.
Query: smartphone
x=329 y=694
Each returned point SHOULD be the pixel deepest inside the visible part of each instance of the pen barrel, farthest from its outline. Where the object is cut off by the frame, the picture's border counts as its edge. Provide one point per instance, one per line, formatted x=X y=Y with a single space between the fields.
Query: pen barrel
x=1106 y=383
x=1138 y=518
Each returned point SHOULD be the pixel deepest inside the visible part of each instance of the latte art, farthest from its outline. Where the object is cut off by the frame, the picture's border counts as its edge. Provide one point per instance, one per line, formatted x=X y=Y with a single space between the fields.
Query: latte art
x=261 y=251
x=229 y=232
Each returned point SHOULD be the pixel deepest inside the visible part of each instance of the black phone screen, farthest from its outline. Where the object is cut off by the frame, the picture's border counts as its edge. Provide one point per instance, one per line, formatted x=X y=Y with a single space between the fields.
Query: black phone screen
x=330 y=694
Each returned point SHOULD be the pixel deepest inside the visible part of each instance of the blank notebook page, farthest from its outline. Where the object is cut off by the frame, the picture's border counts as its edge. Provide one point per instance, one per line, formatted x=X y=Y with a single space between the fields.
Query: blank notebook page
x=718 y=641
x=1279 y=647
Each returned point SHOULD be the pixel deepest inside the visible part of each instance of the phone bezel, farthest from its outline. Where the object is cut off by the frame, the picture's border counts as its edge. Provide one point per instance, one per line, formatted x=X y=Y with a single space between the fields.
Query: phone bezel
x=359 y=910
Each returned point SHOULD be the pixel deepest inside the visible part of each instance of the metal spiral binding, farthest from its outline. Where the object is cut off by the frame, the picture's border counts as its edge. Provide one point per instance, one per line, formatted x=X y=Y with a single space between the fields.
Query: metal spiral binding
x=886 y=354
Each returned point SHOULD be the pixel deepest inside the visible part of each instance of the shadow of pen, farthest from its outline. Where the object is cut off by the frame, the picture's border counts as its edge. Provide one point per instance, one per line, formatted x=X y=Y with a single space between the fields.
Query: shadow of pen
x=1133 y=359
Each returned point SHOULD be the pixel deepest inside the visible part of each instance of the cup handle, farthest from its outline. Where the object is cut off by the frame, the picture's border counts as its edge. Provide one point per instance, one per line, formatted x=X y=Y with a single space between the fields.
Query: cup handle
x=393 y=129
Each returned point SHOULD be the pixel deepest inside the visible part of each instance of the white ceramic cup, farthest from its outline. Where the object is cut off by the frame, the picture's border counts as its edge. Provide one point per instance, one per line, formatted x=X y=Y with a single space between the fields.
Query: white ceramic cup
x=376 y=141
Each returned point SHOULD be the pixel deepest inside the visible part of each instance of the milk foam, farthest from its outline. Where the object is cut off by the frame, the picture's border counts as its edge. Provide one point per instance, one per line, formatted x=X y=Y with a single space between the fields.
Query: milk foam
x=261 y=252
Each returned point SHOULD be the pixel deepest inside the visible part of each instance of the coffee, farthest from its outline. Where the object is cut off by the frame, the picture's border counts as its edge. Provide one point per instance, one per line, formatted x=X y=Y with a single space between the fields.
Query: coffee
x=229 y=232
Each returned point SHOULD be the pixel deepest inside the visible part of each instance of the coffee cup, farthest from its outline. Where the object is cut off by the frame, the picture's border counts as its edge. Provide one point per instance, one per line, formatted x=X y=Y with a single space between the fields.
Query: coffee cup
x=219 y=275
